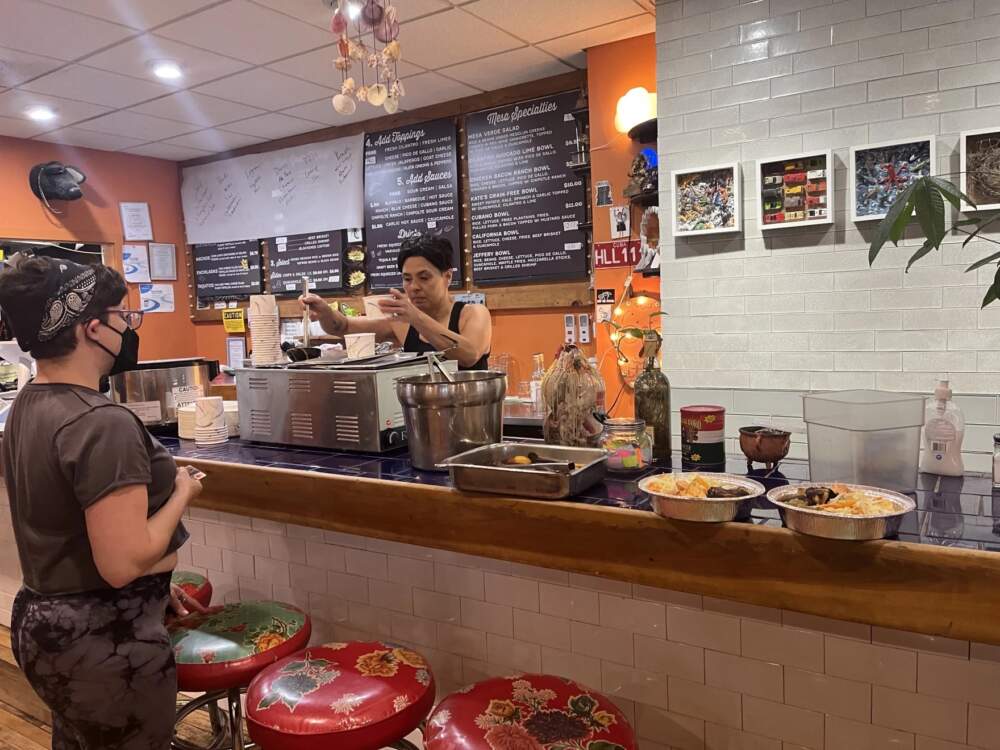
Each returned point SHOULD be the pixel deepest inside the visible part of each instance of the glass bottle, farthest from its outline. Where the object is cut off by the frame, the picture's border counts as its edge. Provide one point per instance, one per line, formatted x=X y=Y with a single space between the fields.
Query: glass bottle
x=652 y=405
x=996 y=461
x=537 y=375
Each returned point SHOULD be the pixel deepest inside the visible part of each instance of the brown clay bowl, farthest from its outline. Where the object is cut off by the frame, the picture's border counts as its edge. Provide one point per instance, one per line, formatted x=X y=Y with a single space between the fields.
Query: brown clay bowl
x=765 y=445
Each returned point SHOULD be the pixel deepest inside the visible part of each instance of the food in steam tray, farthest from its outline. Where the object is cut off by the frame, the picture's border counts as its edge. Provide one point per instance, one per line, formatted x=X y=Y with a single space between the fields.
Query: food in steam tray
x=696 y=486
x=841 y=500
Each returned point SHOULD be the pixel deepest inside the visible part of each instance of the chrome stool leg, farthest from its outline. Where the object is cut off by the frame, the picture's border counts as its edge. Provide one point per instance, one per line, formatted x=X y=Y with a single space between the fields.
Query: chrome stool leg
x=226 y=724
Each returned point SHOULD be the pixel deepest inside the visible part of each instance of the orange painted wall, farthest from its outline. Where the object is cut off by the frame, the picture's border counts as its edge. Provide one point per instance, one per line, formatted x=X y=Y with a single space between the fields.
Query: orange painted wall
x=613 y=69
x=111 y=177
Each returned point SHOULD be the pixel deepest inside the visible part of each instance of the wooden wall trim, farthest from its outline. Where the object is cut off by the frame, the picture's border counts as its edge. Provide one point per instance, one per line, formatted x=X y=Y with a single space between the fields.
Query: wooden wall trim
x=922 y=588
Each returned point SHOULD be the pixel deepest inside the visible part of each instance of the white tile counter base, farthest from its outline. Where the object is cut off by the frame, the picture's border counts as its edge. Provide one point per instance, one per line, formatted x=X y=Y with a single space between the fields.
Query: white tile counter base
x=691 y=672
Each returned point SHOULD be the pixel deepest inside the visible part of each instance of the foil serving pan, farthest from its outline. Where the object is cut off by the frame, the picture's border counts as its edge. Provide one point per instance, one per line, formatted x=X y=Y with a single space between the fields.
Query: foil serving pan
x=832 y=526
x=704 y=509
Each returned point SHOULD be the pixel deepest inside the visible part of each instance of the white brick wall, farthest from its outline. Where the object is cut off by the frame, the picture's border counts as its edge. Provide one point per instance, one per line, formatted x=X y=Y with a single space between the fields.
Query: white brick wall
x=800 y=309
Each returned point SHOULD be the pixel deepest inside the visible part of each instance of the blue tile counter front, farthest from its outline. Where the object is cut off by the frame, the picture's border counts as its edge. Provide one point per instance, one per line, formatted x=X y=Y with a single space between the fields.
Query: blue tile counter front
x=951 y=511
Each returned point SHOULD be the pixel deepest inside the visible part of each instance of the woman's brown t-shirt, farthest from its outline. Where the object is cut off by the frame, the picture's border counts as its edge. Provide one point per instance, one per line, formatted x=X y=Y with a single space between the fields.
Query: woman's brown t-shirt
x=64 y=448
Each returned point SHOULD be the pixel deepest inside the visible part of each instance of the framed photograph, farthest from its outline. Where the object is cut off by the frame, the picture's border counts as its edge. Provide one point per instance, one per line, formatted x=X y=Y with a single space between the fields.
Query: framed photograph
x=980 y=168
x=795 y=190
x=878 y=172
x=706 y=200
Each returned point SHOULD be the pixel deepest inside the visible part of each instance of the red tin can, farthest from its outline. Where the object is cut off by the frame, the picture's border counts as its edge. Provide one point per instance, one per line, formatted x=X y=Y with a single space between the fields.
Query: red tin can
x=703 y=437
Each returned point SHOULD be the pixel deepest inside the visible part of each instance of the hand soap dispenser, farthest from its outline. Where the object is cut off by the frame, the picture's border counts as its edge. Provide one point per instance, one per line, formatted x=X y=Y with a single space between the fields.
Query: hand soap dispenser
x=944 y=428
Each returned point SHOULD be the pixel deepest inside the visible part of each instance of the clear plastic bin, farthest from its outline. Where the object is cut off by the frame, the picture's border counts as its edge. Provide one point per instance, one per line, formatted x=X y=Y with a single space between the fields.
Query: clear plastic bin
x=864 y=437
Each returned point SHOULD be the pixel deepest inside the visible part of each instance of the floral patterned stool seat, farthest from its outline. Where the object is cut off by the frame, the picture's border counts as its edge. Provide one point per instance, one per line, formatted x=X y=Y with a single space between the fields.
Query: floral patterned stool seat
x=528 y=712
x=349 y=696
x=220 y=652
x=194 y=585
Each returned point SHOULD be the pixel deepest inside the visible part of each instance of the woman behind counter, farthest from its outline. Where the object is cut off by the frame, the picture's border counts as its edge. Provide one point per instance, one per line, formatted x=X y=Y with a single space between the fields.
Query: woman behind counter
x=423 y=317
x=96 y=505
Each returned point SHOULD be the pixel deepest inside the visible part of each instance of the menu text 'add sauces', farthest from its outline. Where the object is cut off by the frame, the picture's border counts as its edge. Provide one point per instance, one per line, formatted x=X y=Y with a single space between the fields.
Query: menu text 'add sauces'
x=411 y=188
x=527 y=204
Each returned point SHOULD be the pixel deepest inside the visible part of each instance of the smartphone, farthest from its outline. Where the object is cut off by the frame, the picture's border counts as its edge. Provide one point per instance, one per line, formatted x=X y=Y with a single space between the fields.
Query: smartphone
x=196 y=474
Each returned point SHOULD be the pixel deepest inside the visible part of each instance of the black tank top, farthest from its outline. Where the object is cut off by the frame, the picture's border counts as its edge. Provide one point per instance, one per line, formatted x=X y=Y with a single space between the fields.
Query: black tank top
x=414 y=343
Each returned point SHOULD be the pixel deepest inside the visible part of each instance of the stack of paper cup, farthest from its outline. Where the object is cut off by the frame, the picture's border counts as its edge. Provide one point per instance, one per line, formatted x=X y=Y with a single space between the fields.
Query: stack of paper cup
x=232 y=409
x=360 y=345
x=265 y=330
x=185 y=422
x=210 y=421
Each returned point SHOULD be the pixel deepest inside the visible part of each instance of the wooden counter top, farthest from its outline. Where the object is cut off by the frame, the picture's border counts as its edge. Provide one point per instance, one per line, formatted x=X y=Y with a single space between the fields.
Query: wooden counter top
x=918 y=587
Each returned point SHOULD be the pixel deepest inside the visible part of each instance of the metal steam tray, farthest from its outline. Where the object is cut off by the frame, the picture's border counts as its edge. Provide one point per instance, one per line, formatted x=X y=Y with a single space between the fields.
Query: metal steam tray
x=483 y=470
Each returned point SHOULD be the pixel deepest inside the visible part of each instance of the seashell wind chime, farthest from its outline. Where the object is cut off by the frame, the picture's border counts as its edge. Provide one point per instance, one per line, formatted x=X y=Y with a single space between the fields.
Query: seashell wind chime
x=374 y=22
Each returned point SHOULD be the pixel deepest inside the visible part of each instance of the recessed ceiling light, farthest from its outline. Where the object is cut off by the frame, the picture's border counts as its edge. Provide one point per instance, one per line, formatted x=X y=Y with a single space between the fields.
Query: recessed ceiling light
x=40 y=114
x=166 y=70
x=353 y=10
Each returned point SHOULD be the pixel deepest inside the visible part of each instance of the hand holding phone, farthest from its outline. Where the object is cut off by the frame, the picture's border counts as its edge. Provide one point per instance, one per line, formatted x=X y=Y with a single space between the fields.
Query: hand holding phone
x=196 y=474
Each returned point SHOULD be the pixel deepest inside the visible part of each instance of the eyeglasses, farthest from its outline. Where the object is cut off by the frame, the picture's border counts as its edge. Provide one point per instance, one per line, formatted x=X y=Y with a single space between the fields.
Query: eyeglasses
x=132 y=318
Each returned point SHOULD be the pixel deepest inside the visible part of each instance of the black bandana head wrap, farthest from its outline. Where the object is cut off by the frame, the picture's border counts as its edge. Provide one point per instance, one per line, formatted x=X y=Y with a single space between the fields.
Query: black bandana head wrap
x=53 y=305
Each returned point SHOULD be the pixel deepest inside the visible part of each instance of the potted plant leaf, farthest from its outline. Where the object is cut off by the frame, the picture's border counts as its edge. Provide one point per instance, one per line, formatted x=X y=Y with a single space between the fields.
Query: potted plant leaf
x=926 y=198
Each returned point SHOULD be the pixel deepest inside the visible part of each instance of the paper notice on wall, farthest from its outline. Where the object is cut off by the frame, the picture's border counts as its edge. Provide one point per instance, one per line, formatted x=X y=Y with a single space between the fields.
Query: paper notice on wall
x=162 y=261
x=135 y=261
x=157 y=298
x=136 y=224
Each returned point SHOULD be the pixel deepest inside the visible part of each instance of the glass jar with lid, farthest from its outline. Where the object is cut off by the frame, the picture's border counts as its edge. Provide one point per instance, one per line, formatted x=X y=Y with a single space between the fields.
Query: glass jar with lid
x=628 y=445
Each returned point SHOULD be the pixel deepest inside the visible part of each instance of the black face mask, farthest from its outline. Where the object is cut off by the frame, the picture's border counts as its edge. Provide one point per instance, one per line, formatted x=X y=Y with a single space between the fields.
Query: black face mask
x=128 y=353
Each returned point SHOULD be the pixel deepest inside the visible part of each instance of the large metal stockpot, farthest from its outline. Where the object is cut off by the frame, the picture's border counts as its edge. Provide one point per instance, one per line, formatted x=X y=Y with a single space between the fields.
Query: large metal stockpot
x=444 y=419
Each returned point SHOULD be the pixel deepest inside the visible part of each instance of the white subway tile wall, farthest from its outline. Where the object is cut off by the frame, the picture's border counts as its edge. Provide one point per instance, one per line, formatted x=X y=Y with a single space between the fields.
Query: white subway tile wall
x=690 y=672
x=741 y=79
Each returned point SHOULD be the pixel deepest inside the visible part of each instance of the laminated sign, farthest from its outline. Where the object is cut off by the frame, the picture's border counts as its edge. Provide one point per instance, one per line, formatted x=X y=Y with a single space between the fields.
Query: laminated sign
x=233 y=321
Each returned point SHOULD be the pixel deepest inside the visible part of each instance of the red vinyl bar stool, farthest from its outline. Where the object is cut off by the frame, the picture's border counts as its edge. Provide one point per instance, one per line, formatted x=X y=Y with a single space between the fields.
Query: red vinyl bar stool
x=348 y=696
x=528 y=712
x=194 y=585
x=218 y=653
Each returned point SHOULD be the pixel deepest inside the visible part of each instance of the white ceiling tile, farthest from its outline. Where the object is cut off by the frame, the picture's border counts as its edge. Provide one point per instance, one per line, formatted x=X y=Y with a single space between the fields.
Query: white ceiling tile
x=534 y=21
x=571 y=47
x=322 y=112
x=96 y=86
x=31 y=26
x=134 y=125
x=318 y=14
x=507 y=69
x=197 y=109
x=214 y=140
x=90 y=139
x=139 y=14
x=14 y=103
x=18 y=127
x=134 y=56
x=451 y=37
x=17 y=67
x=266 y=89
x=167 y=151
x=240 y=29
x=431 y=88
x=272 y=125
x=317 y=67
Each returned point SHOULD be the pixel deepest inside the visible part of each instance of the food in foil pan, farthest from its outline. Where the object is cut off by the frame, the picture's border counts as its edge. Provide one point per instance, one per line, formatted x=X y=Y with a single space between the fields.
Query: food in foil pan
x=694 y=486
x=841 y=500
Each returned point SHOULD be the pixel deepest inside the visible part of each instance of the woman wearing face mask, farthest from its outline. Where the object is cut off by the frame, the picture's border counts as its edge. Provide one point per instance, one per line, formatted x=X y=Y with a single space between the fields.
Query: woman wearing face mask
x=423 y=317
x=96 y=505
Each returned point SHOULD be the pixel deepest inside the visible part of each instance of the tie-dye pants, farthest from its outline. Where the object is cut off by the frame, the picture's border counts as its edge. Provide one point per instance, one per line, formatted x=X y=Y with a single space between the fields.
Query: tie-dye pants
x=102 y=662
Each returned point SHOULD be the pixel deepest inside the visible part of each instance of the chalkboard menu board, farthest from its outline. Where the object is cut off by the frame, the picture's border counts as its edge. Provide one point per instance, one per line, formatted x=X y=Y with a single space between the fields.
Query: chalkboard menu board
x=319 y=255
x=411 y=187
x=526 y=203
x=227 y=269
